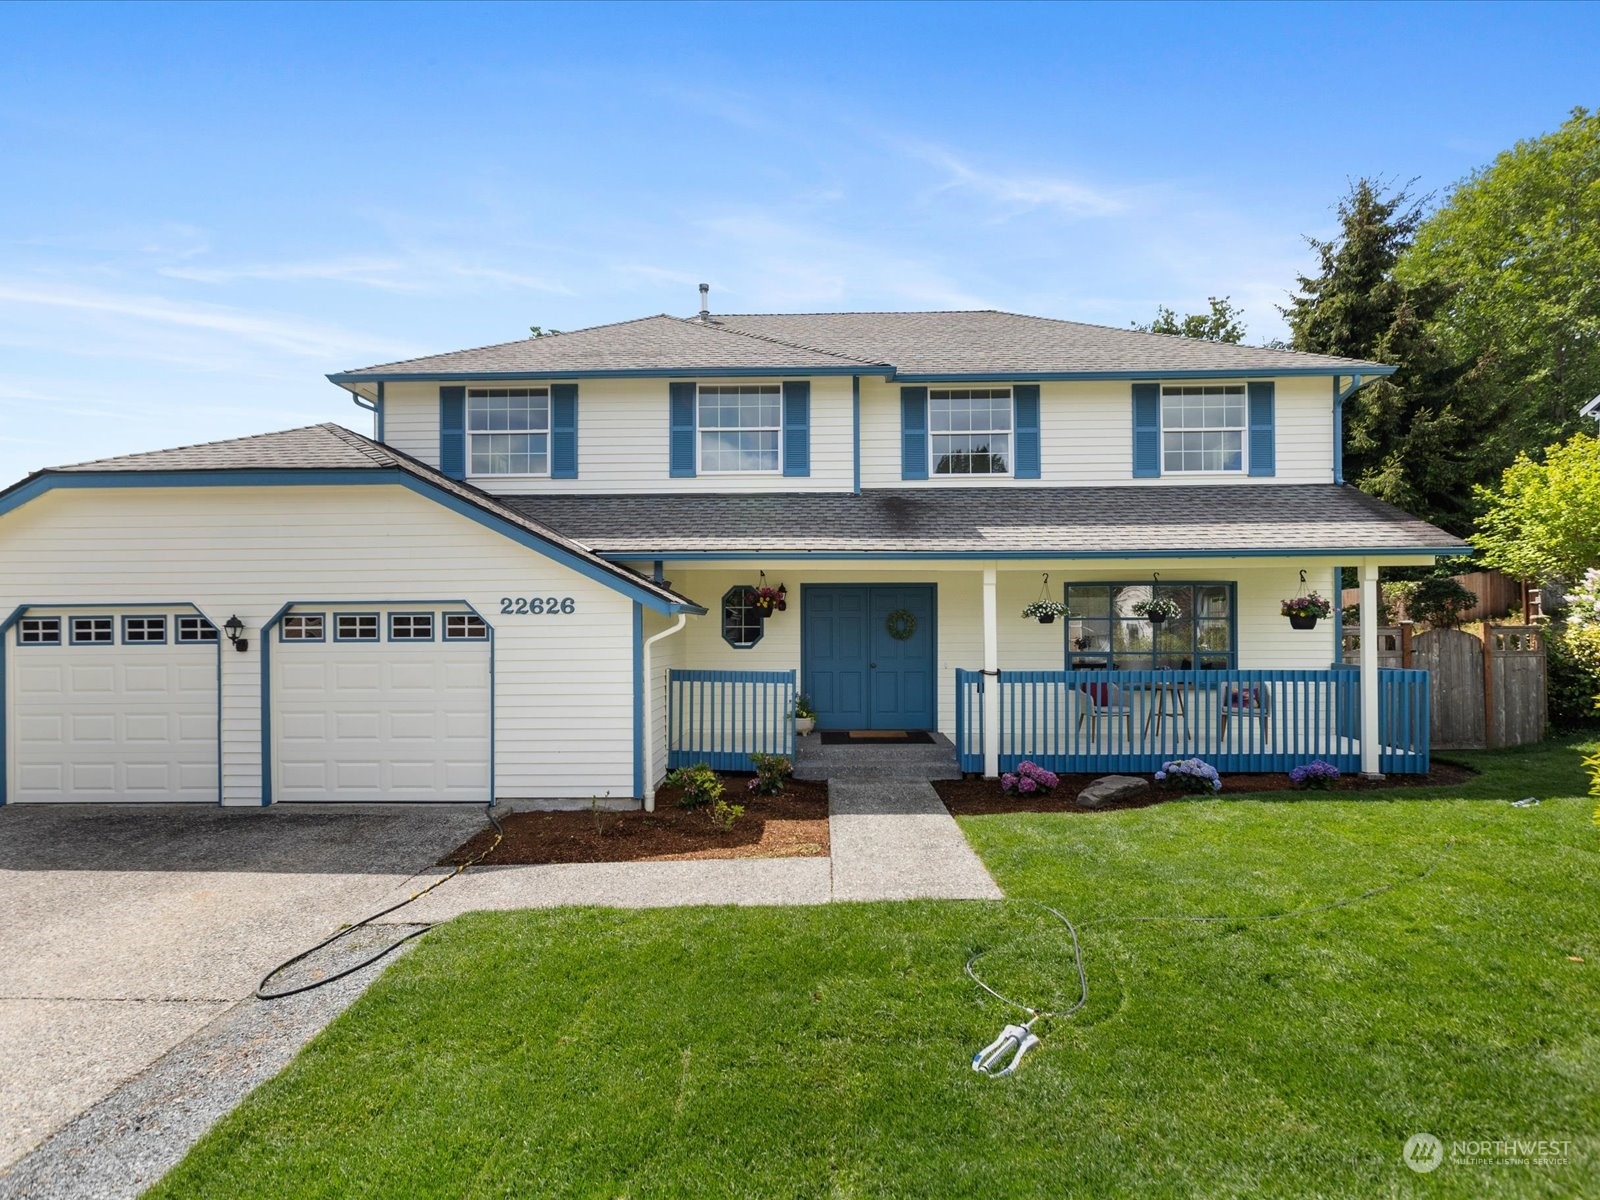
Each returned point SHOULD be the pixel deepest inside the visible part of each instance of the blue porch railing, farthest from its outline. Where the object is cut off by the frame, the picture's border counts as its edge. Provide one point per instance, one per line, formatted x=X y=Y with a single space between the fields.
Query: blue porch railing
x=721 y=718
x=1255 y=720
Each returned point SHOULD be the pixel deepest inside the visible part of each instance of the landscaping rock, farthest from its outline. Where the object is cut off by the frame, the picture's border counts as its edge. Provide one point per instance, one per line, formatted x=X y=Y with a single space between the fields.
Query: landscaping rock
x=1109 y=789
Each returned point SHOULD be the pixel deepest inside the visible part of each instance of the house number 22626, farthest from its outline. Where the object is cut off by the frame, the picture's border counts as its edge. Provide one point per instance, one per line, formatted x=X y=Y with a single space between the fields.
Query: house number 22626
x=537 y=606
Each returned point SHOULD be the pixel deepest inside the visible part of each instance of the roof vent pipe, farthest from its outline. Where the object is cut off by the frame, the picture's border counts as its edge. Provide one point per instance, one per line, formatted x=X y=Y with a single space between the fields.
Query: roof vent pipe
x=705 y=303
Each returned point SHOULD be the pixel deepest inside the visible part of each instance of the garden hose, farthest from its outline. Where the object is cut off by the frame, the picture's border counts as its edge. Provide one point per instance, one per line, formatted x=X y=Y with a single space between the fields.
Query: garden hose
x=1002 y=1056
x=261 y=992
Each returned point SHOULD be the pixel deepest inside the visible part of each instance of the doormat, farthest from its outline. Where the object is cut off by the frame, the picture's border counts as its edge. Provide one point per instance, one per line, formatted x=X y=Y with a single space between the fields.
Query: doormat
x=877 y=737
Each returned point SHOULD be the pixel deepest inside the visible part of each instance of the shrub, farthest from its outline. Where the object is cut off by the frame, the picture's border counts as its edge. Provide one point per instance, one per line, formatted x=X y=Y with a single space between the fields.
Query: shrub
x=699 y=785
x=1029 y=779
x=1190 y=775
x=723 y=814
x=1317 y=773
x=772 y=770
x=1572 y=653
x=1441 y=602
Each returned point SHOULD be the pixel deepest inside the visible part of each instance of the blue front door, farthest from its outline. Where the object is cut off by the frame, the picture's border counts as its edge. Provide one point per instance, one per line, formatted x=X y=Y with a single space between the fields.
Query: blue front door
x=857 y=672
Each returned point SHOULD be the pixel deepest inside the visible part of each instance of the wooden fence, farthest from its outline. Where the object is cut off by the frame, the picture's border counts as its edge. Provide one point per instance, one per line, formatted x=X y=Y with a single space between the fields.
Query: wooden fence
x=722 y=718
x=1497 y=596
x=1488 y=690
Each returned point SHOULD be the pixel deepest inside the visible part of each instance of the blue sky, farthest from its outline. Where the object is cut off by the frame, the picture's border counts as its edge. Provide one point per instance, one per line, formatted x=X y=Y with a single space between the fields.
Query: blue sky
x=203 y=210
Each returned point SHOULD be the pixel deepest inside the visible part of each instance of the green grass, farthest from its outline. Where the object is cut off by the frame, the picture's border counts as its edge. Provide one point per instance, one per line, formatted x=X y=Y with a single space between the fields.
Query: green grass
x=823 y=1052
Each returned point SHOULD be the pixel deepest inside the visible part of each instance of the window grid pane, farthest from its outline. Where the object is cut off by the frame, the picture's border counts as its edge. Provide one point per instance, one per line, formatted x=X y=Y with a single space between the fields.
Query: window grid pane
x=143 y=631
x=1104 y=632
x=1202 y=427
x=196 y=629
x=464 y=627
x=741 y=620
x=410 y=627
x=739 y=427
x=303 y=627
x=970 y=430
x=39 y=631
x=355 y=627
x=94 y=631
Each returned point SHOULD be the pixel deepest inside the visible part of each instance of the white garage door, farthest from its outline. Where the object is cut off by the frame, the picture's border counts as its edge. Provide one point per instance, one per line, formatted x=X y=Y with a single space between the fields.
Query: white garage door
x=368 y=717
x=112 y=708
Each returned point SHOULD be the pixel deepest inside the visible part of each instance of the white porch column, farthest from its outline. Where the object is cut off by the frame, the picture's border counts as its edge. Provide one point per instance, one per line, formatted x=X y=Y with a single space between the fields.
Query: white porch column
x=1367 y=574
x=991 y=678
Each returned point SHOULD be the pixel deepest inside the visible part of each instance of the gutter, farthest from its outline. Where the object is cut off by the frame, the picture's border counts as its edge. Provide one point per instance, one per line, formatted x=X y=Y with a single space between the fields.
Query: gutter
x=1339 y=397
x=646 y=716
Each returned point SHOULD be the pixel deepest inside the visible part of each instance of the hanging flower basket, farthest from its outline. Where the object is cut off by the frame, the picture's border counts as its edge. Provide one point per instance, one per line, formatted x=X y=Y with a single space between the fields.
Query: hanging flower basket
x=1305 y=611
x=770 y=600
x=1158 y=609
x=1045 y=611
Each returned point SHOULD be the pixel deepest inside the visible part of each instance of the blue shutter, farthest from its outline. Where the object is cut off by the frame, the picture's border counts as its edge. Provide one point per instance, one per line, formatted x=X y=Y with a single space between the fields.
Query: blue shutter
x=1025 y=398
x=682 y=439
x=796 y=427
x=453 y=432
x=564 y=431
x=913 y=433
x=1146 y=430
x=1263 y=442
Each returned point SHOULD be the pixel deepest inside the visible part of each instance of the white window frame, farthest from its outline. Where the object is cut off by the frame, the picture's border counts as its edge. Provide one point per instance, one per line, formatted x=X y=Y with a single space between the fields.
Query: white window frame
x=409 y=622
x=465 y=627
x=372 y=632
x=109 y=628
x=193 y=631
x=299 y=627
x=40 y=631
x=1009 y=434
x=701 y=430
x=138 y=628
x=484 y=393
x=1243 y=429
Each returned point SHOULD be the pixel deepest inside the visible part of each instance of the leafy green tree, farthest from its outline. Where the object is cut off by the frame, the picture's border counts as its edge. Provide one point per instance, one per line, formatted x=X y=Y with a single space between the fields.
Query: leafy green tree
x=1515 y=253
x=1411 y=439
x=1222 y=323
x=1543 y=521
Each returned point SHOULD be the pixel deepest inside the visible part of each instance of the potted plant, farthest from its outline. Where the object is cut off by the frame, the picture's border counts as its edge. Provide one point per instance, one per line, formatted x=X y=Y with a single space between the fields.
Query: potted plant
x=1045 y=611
x=1304 y=611
x=1158 y=609
x=770 y=600
x=805 y=717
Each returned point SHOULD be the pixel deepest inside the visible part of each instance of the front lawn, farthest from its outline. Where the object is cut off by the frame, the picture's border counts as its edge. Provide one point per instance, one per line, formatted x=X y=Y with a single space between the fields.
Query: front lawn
x=824 y=1051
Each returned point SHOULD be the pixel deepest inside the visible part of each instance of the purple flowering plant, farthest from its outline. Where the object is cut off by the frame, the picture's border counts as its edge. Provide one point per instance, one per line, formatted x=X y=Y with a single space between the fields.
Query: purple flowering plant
x=1190 y=775
x=1029 y=779
x=1315 y=774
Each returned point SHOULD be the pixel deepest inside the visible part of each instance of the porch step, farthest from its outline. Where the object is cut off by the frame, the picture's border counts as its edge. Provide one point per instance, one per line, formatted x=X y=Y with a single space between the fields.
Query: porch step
x=813 y=760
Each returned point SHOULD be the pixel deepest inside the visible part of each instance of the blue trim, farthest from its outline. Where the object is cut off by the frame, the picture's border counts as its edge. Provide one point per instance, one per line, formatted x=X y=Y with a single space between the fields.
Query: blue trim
x=1261 y=404
x=300 y=641
x=345 y=378
x=61 y=635
x=855 y=410
x=72 y=631
x=377 y=628
x=914 y=448
x=132 y=617
x=5 y=696
x=639 y=782
x=433 y=627
x=1059 y=555
x=379 y=411
x=796 y=419
x=1338 y=614
x=683 y=436
x=1146 y=409
x=564 y=431
x=453 y=432
x=1027 y=457
x=1339 y=397
x=37 y=485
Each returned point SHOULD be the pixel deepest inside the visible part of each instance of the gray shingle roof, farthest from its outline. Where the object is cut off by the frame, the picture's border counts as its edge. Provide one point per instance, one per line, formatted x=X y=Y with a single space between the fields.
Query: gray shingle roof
x=985 y=344
x=1066 y=521
x=333 y=447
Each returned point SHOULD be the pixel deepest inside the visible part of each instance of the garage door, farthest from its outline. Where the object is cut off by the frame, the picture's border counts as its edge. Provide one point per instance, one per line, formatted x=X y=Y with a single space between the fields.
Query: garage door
x=112 y=707
x=381 y=706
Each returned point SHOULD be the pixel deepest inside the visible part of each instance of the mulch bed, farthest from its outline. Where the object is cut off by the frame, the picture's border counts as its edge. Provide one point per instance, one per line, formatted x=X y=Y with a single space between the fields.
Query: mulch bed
x=977 y=797
x=791 y=825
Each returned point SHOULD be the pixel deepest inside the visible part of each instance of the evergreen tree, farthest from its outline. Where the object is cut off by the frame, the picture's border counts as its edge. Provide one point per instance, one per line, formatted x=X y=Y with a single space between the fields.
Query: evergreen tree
x=1223 y=323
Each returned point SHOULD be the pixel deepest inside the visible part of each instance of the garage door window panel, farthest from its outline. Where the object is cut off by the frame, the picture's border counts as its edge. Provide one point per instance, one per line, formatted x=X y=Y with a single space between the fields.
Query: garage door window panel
x=39 y=631
x=465 y=627
x=411 y=627
x=196 y=631
x=144 y=631
x=303 y=627
x=93 y=631
x=355 y=627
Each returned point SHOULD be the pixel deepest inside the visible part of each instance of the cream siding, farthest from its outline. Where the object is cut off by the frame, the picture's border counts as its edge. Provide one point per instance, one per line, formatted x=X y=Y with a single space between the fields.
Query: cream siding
x=1086 y=438
x=564 y=685
x=622 y=439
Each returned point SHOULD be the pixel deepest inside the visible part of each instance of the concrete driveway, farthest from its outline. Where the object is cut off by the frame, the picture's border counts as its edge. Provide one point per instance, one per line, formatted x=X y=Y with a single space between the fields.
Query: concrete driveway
x=124 y=930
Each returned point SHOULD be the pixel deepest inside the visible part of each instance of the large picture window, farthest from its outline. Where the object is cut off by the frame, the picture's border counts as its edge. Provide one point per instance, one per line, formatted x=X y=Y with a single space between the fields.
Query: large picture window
x=739 y=426
x=1202 y=428
x=508 y=431
x=1102 y=630
x=970 y=431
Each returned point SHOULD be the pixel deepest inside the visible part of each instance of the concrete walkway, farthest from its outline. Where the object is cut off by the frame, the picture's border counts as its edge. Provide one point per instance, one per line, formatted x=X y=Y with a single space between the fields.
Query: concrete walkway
x=893 y=839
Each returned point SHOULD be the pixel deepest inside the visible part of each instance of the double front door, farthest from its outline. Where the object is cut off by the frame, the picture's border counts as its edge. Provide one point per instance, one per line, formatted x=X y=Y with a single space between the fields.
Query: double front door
x=869 y=655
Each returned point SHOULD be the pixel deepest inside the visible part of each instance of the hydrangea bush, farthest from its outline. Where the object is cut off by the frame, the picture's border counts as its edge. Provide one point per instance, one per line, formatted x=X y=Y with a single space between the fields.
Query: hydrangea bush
x=1583 y=601
x=1029 y=779
x=1317 y=773
x=1190 y=775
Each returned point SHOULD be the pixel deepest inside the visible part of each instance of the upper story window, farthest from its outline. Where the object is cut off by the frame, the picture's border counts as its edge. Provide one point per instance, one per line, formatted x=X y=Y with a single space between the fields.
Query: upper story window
x=508 y=431
x=970 y=431
x=1202 y=427
x=739 y=426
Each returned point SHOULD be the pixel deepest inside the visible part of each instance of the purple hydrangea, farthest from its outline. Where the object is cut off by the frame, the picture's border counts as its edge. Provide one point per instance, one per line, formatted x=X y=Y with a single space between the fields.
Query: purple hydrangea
x=1029 y=779
x=1190 y=775
x=1008 y=783
x=1318 y=773
x=1027 y=786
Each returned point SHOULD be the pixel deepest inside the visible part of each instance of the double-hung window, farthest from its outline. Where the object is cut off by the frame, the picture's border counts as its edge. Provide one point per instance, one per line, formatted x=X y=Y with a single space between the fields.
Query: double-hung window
x=739 y=427
x=970 y=431
x=508 y=431
x=1202 y=428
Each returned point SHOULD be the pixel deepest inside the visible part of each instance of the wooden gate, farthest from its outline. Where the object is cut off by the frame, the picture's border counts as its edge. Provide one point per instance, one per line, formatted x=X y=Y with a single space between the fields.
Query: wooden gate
x=1454 y=661
x=1486 y=692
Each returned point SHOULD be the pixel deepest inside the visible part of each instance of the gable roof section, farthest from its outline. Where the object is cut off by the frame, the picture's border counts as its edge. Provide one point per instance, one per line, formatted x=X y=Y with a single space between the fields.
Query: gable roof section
x=1091 y=522
x=983 y=345
x=332 y=454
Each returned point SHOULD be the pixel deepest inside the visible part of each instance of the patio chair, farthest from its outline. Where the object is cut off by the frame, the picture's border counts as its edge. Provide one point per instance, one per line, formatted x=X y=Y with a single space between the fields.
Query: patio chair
x=1104 y=700
x=1253 y=701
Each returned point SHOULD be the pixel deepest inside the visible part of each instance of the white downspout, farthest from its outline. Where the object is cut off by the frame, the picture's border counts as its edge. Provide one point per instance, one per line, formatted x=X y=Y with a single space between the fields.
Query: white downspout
x=649 y=721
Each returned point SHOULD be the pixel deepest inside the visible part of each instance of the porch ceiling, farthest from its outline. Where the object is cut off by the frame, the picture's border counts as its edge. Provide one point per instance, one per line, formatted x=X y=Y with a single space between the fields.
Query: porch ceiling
x=999 y=521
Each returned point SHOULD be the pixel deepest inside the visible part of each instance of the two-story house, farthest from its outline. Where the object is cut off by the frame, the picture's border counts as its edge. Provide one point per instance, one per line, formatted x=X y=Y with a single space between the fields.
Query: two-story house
x=542 y=578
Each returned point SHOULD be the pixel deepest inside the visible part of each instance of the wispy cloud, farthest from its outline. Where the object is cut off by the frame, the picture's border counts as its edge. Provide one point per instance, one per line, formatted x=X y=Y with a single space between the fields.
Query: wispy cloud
x=414 y=275
x=1014 y=192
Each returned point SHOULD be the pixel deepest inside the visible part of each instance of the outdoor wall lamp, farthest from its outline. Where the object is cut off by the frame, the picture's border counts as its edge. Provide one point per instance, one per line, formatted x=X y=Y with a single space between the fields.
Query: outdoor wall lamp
x=233 y=629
